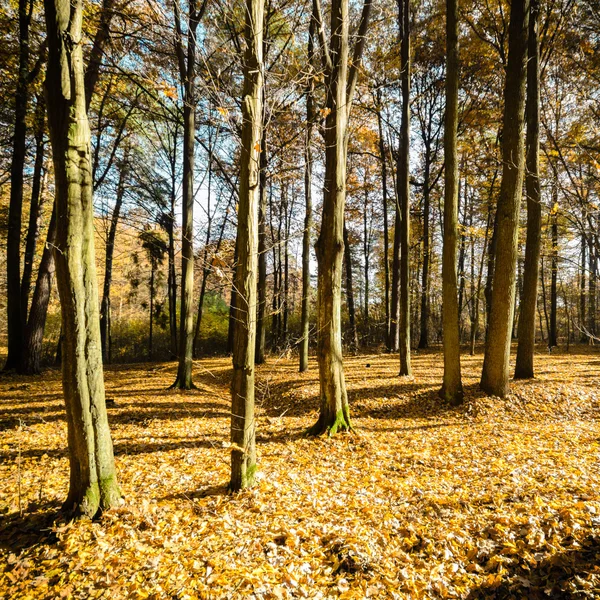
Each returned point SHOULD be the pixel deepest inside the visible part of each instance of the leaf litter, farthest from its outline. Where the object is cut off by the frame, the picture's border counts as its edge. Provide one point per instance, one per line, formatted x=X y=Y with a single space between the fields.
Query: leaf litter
x=495 y=499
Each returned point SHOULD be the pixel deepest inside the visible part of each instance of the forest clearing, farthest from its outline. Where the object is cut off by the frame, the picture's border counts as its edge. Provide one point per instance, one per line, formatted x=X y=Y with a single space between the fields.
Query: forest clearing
x=497 y=498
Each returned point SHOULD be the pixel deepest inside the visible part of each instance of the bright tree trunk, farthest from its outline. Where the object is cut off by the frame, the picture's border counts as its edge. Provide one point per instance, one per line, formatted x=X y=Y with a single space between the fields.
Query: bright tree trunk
x=243 y=425
x=93 y=482
x=524 y=367
x=452 y=390
x=495 y=375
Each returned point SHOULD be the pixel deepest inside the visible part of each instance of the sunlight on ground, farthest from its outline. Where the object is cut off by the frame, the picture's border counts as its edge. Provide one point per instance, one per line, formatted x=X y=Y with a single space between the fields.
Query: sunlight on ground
x=495 y=499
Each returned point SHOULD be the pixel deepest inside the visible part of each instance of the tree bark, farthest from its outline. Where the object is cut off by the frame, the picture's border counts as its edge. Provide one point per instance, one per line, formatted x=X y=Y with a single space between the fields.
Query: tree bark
x=386 y=250
x=261 y=308
x=582 y=304
x=552 y=334
x=306 y=234
x=15 y=316
x=352 y=333
x=424 y=333
x=35 y=205
x=334 y=414
x=187 y=69
x=452 y=390
x=243 y=426
x=105 y=308
x=524 y=367
x=404 y=190
x=495 y=375
x=36 y=322
x=93 y=482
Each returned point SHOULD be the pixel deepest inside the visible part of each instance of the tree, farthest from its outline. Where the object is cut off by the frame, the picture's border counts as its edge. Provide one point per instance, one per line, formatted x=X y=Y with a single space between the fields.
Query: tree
x=404 y=189
x=524 y=367
x=93 y=483
x=187 y=74
x=340 y=84
x=495 y=375
x=451 y=390
x=243 y=425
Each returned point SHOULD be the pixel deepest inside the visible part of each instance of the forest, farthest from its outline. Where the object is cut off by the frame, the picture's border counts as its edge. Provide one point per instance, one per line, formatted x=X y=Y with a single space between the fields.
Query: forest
x=300 y=299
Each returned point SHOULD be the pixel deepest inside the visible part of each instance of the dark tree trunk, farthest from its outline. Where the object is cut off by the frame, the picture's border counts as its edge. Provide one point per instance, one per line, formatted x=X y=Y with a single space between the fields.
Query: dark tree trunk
x=524 y=367
x=552 y=334
x=35 y=205
x=495 y=375
x=16 y=317
x=352 y=333
x=34 y=332
x=592 y=289
x=404 y=189
x=243 y=426
x=424 y=333
x=261 y=323
x=105 y=308
x=582 y=312
x=172 y=276
x=386 y=250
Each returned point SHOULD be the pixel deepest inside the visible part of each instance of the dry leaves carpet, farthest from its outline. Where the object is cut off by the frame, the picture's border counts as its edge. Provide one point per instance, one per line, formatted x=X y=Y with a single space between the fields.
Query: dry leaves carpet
x=497 y=499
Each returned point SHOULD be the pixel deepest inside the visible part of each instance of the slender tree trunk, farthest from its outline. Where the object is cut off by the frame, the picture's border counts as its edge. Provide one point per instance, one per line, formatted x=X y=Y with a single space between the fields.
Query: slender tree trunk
x=153 y=269
x=491 y=252
x=552 y=335
x=105 y=309
x=582 y=303
x=367 y=252
x=592 y=289
x=286 y=269
x=404 y=190
x=15 y=314
x=243 y=453
x=261 y=322
x=395 y=295
x=386 y=250
x=306 y=235
x=495 y=375
x=93 y=482
x=424 y=334
x=452 y=390
x=524 y=367
x=186 y=318
x=34 y=206
x=172 y=276
x=36 y=322
x=352 y=333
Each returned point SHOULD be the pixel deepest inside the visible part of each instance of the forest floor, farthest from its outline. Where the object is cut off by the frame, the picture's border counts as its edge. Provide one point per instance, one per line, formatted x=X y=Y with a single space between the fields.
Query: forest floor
x=496 y=499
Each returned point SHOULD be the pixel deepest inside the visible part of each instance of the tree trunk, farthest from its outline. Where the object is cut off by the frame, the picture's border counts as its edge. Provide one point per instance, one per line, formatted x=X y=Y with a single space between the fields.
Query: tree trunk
x=261 y=323
x=172 y=276
x=552 y=334
x=15 y=320
x=386 y=251
x=524 y=367
x=495 y=375
x=36 y=322
x=424 y=334
x=153 y=269
x=583 y=338
x=404 y=190
x=34 y=206
x=243 y=426
x=306 y=234
x=452 y=390
x=186 y=322
x=592 y=290
x=395 y=295
x=352 y=333
x=286 y=268
x=105 y=309
x=93 y=482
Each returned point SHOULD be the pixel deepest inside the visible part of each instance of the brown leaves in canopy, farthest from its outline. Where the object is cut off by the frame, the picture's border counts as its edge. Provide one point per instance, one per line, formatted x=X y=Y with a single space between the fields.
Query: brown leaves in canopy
x=498 y=499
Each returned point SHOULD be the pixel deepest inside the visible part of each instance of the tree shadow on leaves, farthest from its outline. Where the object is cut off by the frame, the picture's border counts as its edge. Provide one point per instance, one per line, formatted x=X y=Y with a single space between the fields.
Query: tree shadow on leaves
x=572 y=574
x=33 y=527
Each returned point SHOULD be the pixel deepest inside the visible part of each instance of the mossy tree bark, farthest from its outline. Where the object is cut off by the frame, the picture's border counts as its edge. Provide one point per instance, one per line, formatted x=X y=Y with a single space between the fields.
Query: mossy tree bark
x=340 y=84
x=404 y=190
x=243 y=425
x=452 y=390
x=495 y=375
x=93 y=482
x=524 y=368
